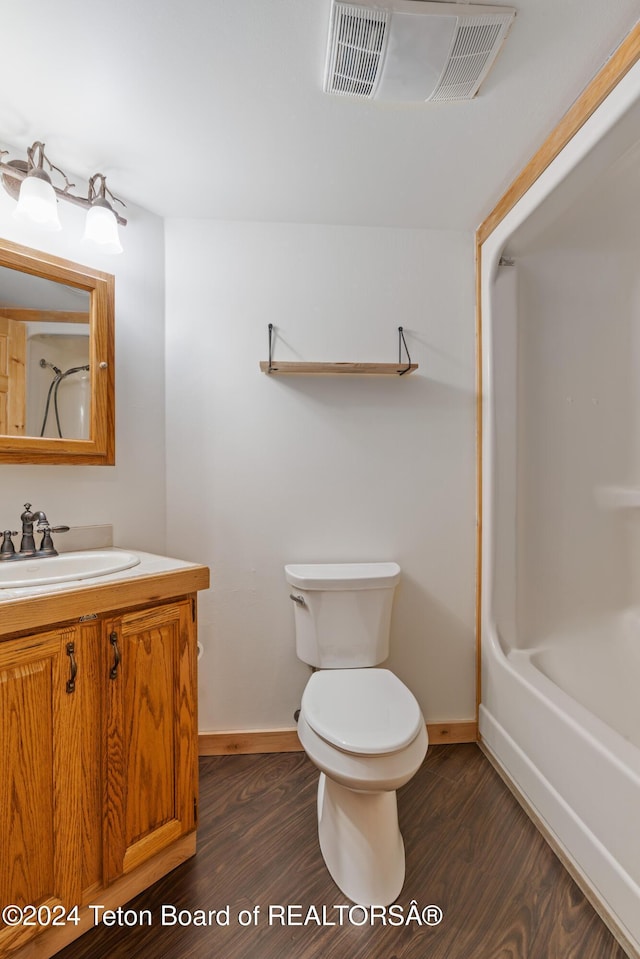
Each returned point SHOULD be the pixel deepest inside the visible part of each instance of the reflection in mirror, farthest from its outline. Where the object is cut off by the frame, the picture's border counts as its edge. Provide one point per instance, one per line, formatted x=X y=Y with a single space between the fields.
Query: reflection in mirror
x=47 y=388
x=57 y=401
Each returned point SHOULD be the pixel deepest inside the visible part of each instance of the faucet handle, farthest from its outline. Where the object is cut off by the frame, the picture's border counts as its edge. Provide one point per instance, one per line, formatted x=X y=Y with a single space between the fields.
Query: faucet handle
x=8 y=549
x=46 y=546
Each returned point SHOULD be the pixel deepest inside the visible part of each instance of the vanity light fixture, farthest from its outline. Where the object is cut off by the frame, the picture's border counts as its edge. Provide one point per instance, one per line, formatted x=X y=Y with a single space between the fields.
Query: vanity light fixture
x=101 y=225
x=37 y=199
x=30 y=184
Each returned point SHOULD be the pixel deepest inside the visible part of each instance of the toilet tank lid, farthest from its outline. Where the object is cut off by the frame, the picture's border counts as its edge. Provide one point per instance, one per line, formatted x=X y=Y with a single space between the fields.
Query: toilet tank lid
x=330 y=576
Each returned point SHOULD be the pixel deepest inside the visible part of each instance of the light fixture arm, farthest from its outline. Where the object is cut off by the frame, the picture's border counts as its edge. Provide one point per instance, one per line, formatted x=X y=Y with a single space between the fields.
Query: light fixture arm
x=36 y=158
x=34 y=166
x=101 y=191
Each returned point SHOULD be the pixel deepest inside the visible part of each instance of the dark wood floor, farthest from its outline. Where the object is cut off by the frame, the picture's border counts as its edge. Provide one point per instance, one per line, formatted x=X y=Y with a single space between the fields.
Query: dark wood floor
x=470 y=850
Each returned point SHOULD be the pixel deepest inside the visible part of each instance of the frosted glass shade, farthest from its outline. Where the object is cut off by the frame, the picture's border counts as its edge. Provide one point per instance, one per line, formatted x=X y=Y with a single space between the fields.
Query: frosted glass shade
x=101 y=227
x=37 y=204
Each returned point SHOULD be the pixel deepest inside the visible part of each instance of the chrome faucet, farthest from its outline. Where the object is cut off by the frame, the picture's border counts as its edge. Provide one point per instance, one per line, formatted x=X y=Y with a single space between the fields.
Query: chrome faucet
x=27 y=543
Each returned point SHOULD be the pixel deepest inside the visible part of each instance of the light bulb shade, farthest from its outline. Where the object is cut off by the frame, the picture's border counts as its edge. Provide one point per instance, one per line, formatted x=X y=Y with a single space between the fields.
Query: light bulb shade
x=101 y=227
x=37 y=204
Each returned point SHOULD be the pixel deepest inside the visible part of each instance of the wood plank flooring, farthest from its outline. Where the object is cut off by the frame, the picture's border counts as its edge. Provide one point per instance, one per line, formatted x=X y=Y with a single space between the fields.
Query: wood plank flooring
x=470 y=850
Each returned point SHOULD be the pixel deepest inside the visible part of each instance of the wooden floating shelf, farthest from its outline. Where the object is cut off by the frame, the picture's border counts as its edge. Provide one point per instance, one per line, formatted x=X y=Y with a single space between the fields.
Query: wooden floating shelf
x=334 y=369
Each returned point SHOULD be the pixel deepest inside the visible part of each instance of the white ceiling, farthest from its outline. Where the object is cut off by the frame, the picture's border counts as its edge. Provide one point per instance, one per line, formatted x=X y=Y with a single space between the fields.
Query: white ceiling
x=214 y=108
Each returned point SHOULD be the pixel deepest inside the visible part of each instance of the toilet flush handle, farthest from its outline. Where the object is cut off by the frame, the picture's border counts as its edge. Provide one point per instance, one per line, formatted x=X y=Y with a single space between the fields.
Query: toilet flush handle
x=297 y=599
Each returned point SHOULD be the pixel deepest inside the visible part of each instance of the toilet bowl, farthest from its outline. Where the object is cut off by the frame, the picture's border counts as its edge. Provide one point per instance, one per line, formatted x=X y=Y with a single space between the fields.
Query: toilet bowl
x=364 y=731
x=358 y=723
x=362 y=727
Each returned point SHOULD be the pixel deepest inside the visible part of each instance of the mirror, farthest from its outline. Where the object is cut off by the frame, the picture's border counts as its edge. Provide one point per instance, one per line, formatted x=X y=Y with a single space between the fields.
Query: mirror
x=56 y=360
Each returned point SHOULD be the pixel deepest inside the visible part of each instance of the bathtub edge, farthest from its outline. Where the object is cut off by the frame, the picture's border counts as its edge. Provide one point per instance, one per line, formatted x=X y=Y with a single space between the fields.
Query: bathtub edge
x=494 y=741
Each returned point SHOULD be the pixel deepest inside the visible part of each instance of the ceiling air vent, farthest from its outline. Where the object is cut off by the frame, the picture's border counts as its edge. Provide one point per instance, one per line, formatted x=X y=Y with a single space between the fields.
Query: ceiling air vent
x=410 y=50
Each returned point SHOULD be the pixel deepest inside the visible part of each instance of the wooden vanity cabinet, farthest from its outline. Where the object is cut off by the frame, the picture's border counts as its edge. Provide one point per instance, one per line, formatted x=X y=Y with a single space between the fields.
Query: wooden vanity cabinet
x=151 y=734
x=44 y=737
x=98 y=764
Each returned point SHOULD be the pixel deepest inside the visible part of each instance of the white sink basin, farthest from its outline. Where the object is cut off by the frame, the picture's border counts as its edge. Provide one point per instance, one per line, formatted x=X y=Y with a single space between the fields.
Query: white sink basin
x=67 y=566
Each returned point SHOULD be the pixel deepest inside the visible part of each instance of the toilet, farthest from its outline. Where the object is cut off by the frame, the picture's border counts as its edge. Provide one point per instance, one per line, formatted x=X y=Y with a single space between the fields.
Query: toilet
x=358 y=723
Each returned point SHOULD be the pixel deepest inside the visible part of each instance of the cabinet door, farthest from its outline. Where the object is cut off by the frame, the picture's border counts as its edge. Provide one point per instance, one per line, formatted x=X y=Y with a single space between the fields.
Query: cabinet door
x=151 y=733
x=40 y=777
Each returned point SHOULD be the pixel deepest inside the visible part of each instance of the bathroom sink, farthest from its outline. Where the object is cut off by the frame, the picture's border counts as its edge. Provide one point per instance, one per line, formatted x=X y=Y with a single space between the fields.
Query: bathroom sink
x=67 y=566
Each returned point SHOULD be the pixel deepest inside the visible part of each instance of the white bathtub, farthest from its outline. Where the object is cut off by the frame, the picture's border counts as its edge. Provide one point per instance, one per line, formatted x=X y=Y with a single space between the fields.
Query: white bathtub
x=580 y=775
x=560 y=573
x=599 y=667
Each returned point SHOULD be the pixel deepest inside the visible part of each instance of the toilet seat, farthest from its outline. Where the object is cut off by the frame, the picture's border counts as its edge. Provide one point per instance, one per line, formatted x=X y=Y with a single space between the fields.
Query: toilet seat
x=367 y=712
x=384 y=772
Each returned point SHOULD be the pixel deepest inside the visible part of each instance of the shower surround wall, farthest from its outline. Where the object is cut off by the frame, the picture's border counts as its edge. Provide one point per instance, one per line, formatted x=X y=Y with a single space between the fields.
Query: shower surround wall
x=577 y=355
x=560 y=710
x=264 y=470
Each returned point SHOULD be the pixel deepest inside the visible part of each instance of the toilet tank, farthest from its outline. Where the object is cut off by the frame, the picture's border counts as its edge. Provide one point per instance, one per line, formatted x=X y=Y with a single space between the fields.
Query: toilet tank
x=342 y=612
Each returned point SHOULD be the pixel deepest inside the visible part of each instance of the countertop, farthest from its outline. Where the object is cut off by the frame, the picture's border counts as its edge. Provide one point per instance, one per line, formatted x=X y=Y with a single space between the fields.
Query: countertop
x=155 y=578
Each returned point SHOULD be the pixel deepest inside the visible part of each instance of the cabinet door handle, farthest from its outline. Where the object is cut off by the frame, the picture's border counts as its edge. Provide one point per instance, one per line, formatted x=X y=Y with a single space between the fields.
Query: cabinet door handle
x=73 y=668
x=113 y=639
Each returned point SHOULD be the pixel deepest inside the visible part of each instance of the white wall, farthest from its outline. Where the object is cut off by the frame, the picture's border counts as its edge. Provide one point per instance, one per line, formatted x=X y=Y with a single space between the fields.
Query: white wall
x=131 y=494
x=262 y=471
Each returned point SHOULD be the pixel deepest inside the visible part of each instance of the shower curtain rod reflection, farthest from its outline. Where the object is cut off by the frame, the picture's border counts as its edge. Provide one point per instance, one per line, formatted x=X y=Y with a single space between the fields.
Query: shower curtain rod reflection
x=53 y=391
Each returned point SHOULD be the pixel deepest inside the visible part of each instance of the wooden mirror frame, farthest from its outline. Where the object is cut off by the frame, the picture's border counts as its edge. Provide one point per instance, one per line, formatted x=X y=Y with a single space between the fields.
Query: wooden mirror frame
x=99 y=449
